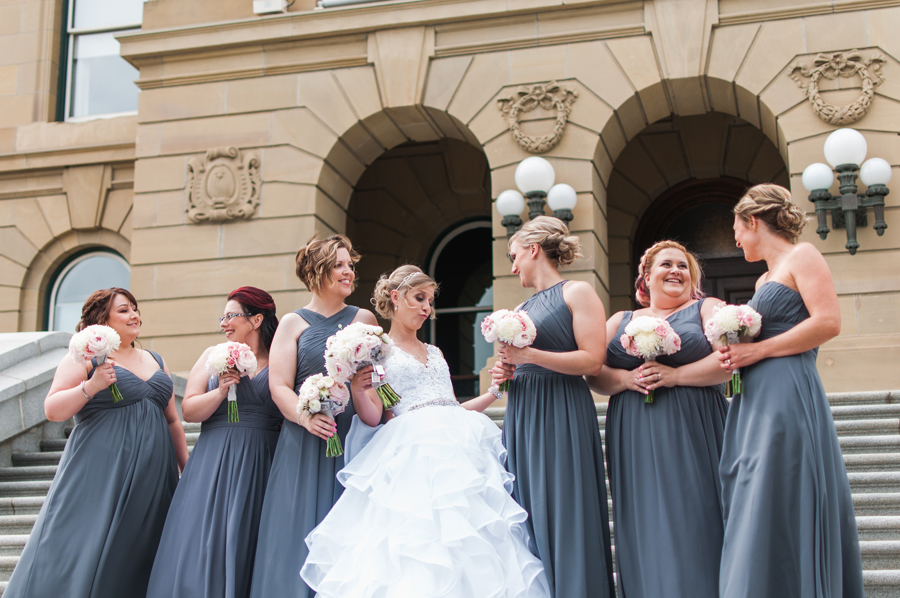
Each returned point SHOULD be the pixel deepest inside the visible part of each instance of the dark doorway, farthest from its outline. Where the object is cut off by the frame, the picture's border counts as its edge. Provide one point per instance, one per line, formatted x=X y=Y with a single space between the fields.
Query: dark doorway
x=697 y=213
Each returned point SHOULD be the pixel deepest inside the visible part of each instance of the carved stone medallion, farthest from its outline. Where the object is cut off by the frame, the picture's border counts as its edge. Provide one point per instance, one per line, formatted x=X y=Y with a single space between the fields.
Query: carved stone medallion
x=222 y=186
x=840 y=64
x=547 y=96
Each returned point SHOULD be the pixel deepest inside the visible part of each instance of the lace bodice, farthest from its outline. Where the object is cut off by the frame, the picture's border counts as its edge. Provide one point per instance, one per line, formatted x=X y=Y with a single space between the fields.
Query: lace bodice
x=419 y=384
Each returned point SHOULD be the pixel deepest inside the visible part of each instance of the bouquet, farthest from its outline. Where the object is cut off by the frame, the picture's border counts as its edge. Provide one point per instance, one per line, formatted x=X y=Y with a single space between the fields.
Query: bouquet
x=231 y=357
x=649 y=337
x=729 y=324
x=96 y=342
x=510 y=327
x=323 y=394
x=356 y=346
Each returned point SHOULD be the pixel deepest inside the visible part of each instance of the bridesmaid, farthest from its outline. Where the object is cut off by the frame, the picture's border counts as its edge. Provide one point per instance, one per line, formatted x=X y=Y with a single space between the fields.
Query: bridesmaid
x=789 y=523
x=100 y=524
x=664 y=457
x=220 y=495
x=550 y=430
x=302 y=486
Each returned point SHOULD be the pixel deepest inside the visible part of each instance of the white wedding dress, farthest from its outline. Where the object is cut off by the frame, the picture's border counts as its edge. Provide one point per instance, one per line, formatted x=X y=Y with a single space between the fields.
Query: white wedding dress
x=426 y=511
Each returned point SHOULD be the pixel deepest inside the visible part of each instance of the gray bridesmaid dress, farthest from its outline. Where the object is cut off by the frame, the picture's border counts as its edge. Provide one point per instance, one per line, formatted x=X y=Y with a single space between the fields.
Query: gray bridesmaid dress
x=302 y=484
x=554 y=450
x=790 y=529
x=98 y=530
x=209 y=540
x=664 y=474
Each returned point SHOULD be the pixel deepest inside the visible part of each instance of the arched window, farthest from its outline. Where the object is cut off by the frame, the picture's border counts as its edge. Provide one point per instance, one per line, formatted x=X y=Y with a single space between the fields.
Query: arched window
x=462 y=264
x=77 y=279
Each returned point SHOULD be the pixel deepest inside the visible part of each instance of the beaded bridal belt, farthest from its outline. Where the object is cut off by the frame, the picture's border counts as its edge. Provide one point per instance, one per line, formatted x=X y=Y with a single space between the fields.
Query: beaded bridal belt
x=433 y=402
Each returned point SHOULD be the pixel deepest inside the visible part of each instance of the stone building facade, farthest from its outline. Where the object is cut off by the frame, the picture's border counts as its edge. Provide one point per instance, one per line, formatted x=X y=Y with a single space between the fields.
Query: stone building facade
x=383 y=120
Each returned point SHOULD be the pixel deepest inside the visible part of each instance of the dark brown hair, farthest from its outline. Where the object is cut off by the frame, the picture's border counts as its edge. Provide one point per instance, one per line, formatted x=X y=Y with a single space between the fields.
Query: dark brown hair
x=98 y=306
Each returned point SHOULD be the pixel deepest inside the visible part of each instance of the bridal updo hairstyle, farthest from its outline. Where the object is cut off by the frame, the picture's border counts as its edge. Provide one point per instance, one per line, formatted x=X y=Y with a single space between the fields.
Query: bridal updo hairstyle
x=317 y=258
x=552 y=235
x=403 y=280
x=772 y=205
x=256 y=301
x=642 y=293
x=98 y=306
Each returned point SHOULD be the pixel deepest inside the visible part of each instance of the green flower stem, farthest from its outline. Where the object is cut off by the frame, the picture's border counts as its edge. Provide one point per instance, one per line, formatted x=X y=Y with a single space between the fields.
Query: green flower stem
x=504 y=386
x=388 y=395
x=648 y=399
x=117 y=396
x=333 y=446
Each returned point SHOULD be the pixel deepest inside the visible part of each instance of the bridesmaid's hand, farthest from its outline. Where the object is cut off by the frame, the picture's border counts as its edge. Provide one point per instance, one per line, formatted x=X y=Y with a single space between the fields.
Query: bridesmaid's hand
x=656 y=375
x=510 y=354
x=361 y=381
x=319 y=425
x=631 y=380
x=501 y=372
x=104 y=377
x=226 y=381
x=739 y=356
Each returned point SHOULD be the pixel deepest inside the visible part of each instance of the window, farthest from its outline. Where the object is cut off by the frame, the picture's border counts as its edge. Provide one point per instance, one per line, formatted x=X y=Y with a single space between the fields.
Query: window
x=98 y=80
x=78 y=279
x=462 y=264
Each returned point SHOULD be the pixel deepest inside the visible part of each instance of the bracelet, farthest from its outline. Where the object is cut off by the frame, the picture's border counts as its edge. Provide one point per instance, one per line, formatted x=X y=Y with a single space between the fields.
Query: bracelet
x=83 y=391
x=496 y=392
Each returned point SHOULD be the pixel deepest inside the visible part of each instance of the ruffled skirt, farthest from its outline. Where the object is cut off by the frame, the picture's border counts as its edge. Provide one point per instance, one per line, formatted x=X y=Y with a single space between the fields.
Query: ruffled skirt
x=427 y=511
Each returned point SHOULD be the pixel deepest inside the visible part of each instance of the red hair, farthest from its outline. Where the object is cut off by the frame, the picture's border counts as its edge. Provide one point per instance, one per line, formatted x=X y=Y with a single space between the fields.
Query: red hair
x=642 y=293
x=257 y=301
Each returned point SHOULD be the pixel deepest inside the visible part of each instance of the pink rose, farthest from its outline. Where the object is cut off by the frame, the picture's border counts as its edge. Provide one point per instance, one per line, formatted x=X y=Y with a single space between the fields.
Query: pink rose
x=98 y=345
x=246 y=361
x=360 y=352
x=662 y=328
x=521 y=340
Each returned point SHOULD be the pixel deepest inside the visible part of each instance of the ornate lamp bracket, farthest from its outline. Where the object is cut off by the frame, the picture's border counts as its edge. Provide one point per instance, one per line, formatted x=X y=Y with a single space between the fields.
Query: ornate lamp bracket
x=547 y=96
x=840 y=64
x=222 y=186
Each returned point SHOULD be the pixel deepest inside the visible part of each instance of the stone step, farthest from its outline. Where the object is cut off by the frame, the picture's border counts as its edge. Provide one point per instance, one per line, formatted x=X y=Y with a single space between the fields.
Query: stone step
x=24 y=488
x=882 y=584
x=21 y=505
x=16 y=524
x=42 y=458
x=191 y=437
x=867 y=427
x=879 y=554
x=844 y=412
x=870 y=444
x=868 y=397
x=872 y=462
x=13 y=544
x=7 y=564
x=874 y=481
x=877 y=503
x=31 y=473
x=53 y=444
x=872 y=527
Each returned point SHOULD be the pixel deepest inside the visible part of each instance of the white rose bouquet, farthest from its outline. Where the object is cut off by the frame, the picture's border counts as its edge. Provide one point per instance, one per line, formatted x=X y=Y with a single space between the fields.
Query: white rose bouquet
x=96 y=342
x=231 y=357
x=323 y=394
x=649 y=337
x=730 y=325
x=510 y=327
x=356 y=346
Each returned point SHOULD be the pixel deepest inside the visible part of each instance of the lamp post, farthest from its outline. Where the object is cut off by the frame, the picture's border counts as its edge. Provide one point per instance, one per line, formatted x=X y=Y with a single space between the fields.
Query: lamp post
x=845 y=150
x=534 y=178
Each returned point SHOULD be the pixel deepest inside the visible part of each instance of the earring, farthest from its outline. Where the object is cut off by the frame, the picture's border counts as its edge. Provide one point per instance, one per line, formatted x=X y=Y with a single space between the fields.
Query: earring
x=395 y=308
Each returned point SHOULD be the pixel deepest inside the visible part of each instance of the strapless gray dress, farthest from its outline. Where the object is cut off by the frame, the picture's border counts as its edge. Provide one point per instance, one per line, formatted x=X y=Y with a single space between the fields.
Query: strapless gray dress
x=98 y=530
x=302 y=484
x=209 y=541
x=664 y=474
x=554 y=450
x=790 y=529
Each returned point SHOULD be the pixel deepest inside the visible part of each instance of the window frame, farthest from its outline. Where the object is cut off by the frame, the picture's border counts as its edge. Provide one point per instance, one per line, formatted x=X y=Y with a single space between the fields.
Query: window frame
x=67 y=267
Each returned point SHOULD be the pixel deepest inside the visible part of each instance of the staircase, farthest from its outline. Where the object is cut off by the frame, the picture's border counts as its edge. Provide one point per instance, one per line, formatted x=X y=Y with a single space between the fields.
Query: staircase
x=868 y=426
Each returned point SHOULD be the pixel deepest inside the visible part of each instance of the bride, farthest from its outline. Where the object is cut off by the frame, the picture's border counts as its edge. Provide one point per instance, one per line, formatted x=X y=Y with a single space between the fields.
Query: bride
x=426 y=509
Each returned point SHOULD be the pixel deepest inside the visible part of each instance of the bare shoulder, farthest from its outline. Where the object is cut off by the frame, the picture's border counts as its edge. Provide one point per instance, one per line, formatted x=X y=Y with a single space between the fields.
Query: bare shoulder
x=709 y=305
x=579 y=290
x=615 y=319
x=145 y=354
x=292 y=324
x=805 y=260
x=366 y=317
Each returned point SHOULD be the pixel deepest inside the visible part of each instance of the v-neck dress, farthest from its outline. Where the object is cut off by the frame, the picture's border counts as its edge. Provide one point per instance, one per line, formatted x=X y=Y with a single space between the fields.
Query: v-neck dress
x=98 y=530
x=209 y=541
x=302 y=485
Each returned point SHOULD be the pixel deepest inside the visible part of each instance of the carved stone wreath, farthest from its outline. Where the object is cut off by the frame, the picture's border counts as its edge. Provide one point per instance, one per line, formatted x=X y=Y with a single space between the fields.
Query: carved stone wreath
x=223 y=186
x=832 y=66
x=547 y=96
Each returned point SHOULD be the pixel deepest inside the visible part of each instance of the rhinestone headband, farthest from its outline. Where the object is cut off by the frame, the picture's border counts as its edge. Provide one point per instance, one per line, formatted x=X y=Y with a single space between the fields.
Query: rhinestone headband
x=403 y=282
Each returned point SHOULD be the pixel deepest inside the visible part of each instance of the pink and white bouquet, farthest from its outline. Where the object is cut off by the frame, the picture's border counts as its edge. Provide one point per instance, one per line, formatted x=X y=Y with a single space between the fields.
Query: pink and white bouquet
x=96 y=342
x=231 y=357
x=511 y=327
x=729 y=325
x=353 y=348
x=323 y=394
x=649 y=337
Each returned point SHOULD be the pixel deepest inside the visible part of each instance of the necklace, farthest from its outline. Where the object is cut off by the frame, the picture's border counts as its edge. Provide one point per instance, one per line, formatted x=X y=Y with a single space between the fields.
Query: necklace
x=414 y=352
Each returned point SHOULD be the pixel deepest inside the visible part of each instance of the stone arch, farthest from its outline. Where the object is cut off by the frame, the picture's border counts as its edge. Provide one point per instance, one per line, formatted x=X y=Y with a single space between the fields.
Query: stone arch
x=38 y=277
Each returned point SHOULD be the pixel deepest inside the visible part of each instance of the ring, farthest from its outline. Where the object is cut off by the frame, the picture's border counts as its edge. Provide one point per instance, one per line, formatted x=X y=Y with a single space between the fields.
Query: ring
x=658 y=377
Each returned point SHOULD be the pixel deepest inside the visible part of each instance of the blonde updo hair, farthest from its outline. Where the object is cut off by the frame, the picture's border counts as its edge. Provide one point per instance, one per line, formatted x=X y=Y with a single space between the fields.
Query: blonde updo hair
x=642 y=293
x=552 y=236
x=403 y=280
x=772 y=204
x=317 y=259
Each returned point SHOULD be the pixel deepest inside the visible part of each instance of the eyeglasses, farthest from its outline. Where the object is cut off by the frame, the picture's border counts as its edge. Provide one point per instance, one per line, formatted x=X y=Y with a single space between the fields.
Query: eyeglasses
x=232 y=316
